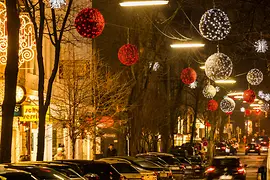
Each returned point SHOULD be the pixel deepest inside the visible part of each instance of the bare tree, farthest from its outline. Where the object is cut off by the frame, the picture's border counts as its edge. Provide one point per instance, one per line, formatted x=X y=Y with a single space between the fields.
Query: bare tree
x=87 y=92
x=11 y=75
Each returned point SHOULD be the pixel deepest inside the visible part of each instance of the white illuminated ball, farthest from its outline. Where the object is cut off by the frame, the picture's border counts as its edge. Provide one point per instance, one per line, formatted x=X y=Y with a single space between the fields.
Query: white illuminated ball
x=227 y=105
x=254 y=77
x=209 y=91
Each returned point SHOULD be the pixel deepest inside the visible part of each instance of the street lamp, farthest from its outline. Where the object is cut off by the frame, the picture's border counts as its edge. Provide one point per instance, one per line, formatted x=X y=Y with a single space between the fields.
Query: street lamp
x=225 y=81
x=187 y=45
x=144 y=3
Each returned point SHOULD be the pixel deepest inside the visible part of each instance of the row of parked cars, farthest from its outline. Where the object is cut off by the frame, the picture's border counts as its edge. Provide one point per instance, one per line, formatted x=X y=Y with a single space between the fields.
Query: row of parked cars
x=147 y=166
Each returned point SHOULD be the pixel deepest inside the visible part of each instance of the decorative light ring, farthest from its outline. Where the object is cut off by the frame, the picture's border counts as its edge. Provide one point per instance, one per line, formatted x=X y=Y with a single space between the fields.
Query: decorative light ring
x=214 y=25
x=227 y=105
x=265 y=107
x=218 y=66
x=254 y=77
x=128 y=54
x=89 y=23
x=249 y=96
x=188 y=75
x=209 y=91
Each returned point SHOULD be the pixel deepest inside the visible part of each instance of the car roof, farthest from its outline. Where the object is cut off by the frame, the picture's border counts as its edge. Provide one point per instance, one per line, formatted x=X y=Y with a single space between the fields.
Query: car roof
x=113 y=161
x=155 y=154
x=226 y=157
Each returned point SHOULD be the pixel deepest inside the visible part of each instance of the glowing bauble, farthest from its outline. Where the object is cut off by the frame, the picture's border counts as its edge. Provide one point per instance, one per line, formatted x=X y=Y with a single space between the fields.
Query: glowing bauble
x=214 y=25
x=89 y=23
x=254 y=77
x=207 y=124
x=212 y=105
x=218 y=67
x=209 y=91
x=193 y=85
x=128 y=54
x=188 y=75
x=227 y=105
x=265 y=107
x=248 y=112
x=249 y=96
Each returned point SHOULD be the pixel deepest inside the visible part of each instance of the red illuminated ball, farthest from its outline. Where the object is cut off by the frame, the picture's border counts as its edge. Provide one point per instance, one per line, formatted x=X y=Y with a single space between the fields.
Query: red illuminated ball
x=188 y=75
x=248 y=112
x=89 y=23
x=212 y=105
x=128 y=54
x=249 y=96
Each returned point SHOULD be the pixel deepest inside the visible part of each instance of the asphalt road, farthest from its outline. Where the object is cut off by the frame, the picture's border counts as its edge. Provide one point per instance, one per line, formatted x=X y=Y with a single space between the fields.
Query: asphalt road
x=253 y=162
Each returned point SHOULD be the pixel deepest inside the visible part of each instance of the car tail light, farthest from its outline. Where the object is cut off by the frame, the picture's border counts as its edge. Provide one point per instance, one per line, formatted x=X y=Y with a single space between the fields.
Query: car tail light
x=123 y=177
x=210 y=169
x=247 y=147
x=257 y=147
x=223 y=147
x=264 y=142
x=170 y=174
x=182 y=166
x=241 y=170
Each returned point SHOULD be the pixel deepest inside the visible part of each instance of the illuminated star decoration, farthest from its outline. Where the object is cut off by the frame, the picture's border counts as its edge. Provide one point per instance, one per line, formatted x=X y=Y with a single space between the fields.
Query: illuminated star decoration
x=57 y=3
x=264 y=96
x=193 y=85
x=155 y=67
x=261 y=46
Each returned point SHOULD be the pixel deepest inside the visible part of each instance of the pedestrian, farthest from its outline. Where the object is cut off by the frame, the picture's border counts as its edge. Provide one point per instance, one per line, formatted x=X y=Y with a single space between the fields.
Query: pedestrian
x=111 y=151
x=60 y=154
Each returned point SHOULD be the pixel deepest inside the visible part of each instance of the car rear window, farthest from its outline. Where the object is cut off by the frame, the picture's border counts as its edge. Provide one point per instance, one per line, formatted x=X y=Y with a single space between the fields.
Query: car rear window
x=228 y=162
x=170 y=160
x=147 y=164
x=124 y=168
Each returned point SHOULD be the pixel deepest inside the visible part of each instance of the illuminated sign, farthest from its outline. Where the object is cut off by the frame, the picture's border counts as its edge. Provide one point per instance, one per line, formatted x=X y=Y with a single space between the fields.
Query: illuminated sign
x=30 y=113
x=17 y=110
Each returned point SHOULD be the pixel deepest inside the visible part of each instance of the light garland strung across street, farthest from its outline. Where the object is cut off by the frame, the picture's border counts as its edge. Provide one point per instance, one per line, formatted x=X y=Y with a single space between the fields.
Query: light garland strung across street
x=57 y=3
x=27 y=44
x=261 y=46
x=193 y=85
x=218 y=67
x=209 y=91
x=265 y=96
x=214 y=25
x=254 y=77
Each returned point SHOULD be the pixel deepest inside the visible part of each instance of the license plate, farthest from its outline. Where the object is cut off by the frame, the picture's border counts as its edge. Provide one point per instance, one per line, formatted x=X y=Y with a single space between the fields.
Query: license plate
x=175 y=168
x=188 y=167
x=197 y=170
x=218 y=148
x=162 y=175
x=225 y=177
x=252 y=150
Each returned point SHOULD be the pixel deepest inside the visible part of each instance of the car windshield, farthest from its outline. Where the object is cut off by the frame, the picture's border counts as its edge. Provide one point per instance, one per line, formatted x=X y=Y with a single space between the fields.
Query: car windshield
x=124 y=168
x=42 y=172
x=252 y=145
x=147 y=164
x=228 y=162
x=67 y=171
x=170 y=160
x=10 y=176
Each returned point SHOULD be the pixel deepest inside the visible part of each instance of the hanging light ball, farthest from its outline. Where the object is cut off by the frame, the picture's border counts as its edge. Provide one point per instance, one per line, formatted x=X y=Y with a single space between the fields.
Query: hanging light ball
x=212 y=105
x=209 y=91
x=218 y=67
x=214 y=25
x=89 y=23
x=265 y=107
x=248 y=112
x=249 y=96
x=188 y=75
x=128 y=54
x=227 y=105
x=254 y=77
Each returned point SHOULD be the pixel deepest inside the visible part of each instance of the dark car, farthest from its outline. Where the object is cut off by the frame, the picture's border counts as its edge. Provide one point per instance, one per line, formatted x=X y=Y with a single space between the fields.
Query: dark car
x=222 y=149
x=264 y=143
x=171 y=160
x=252 y=148
x=161 y=172
x=39 y=172
x=226 y=167
x=11 y=174
x=105 y=170
x=198 y=166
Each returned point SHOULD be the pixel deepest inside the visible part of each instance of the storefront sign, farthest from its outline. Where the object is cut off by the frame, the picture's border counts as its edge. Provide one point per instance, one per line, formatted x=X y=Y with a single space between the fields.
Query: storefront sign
x=30 y=113
x=17 y=110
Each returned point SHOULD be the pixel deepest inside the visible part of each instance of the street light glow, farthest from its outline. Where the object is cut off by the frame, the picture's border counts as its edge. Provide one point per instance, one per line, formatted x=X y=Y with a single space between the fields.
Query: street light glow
x=143 y=3
x=235 y=94
x=238 y=97
x=187 y=45
x=225 y=81
x=254 y=105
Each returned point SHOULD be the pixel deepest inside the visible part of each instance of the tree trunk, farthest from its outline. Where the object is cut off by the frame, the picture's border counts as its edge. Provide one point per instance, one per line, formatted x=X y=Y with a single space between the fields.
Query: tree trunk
x=197 y=99
x=11 y=74
x=41 y=133
x=73 y=147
